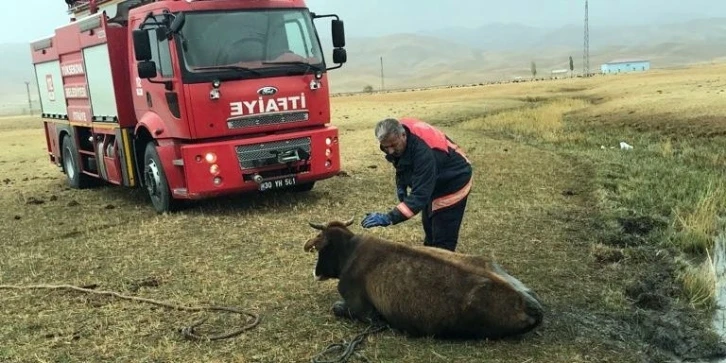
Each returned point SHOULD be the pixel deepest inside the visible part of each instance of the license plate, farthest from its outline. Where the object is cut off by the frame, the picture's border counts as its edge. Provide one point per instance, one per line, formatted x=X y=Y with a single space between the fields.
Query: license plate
x=277 y=183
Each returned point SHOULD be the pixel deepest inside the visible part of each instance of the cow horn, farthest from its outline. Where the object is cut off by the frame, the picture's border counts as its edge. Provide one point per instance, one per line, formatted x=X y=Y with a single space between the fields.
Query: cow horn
x=317 y=225
x=349 y=222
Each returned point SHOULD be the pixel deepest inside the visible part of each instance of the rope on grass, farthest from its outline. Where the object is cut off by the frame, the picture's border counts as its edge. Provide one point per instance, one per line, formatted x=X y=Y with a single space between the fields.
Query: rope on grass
x=348 y=348
x=187 y=332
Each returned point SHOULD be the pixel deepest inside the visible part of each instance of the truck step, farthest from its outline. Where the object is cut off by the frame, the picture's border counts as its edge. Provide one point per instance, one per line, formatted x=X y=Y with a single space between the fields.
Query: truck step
x=182 y=192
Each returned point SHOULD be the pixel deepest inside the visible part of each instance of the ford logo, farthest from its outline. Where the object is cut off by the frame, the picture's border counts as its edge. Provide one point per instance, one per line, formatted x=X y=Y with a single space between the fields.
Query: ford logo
x=267 y=91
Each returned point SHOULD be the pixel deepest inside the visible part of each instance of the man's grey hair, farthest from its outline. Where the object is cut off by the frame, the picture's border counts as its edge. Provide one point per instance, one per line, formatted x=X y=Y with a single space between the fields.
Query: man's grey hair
x=388 y=127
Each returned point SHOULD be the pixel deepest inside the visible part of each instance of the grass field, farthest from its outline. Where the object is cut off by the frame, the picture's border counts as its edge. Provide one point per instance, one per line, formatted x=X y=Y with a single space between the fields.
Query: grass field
x=614 y=241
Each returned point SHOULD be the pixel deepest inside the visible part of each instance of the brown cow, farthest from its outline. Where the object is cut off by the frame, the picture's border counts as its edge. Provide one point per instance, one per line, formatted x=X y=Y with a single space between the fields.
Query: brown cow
x=423 y=291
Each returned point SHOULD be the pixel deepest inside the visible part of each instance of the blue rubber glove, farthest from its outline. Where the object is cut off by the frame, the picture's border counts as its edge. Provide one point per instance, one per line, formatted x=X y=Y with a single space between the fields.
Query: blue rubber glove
x=376 y=220
x=401 y=193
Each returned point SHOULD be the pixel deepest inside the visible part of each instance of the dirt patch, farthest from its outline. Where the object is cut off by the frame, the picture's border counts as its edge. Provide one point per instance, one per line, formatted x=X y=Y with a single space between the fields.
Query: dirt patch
x=568 y=192
x=34 y=201
x=640 y=225
x=653 y=289
x=571 y=89
x=534 y=99
x=629 y=230
x=654 y=316
x=661 y=319
x=658 y=316
x=666 y=123
x=150 y=281
x=677 y=335
x=606 y=254
x=655 y=321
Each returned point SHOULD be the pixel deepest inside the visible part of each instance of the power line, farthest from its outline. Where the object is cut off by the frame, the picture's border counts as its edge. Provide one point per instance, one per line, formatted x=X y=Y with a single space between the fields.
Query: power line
x=30 y=102
x=382 y=74
x=586 y=50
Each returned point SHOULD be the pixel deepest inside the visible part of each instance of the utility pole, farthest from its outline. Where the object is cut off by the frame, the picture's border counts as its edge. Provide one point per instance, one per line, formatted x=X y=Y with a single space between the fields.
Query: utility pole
x=586 y=50
x=30 y=103
x=382 y=74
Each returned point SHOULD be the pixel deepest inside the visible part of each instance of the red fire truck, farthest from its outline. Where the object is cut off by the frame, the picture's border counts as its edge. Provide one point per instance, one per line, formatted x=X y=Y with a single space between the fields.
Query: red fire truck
x=189 y=99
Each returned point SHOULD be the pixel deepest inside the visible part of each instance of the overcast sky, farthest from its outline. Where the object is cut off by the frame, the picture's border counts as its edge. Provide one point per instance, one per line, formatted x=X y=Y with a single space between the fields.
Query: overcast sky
x=25 y=20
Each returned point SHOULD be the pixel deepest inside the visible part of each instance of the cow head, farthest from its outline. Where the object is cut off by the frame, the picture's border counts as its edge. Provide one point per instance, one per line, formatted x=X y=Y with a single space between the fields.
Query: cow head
x=331 y=244
x=515 y=308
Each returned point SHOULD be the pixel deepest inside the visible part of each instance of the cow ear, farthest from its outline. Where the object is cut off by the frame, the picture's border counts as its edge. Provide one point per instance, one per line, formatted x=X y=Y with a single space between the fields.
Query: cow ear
x=315 y=244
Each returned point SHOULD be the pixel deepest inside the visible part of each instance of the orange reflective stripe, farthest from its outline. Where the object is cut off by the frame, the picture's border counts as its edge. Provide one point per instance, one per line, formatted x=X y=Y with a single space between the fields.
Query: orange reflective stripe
x=405 y=210
x=451 y=199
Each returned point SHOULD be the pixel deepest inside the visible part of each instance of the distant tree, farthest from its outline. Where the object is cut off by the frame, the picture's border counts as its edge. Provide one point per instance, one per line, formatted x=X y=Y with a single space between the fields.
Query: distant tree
x=368 y=89
x=534 y=70
x=572 y=66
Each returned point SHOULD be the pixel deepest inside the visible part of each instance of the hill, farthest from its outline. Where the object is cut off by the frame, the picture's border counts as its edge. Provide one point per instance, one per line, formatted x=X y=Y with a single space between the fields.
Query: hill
x=503 y=51
x=470 y=55
x=16 y=70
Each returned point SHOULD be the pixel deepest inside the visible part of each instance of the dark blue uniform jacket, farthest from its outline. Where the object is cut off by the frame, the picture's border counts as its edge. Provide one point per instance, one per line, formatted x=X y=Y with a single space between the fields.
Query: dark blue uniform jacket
x=436 y=179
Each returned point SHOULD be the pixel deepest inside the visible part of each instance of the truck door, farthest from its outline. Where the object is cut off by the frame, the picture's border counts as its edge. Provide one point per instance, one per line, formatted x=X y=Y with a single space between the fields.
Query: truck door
x=162 y=94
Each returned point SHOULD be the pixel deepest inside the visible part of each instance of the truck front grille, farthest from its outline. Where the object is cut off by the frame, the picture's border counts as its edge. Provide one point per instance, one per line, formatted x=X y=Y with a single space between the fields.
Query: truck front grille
x=259 y=155
x=267 y=119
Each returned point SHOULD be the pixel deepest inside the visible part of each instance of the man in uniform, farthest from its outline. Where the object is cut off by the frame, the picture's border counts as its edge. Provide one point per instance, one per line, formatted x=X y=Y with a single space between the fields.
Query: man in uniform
x=438 y=174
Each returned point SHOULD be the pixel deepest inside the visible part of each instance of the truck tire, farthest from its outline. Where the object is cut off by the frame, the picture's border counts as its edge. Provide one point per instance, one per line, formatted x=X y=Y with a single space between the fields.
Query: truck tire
x=72 y=165
x=155 y=181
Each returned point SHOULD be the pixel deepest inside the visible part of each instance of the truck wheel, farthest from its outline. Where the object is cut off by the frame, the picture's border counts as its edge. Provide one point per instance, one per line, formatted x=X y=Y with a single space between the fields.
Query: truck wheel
x=71 y=165
x=155 y=180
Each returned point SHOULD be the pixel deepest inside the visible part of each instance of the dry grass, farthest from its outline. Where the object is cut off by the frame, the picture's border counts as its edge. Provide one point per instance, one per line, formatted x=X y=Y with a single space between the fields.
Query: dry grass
x=530 y=208
x=247 y=252
x=697 y=228
x=673 y=102
x=699 y=284
x=544 y=121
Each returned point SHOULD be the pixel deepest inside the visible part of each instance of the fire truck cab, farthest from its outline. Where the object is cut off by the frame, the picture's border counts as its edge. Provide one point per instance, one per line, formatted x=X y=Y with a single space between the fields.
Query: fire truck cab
x=189 y=99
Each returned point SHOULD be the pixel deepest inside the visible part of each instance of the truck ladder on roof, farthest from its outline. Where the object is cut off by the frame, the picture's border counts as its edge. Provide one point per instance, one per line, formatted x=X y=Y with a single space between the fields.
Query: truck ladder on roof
x=82 y=8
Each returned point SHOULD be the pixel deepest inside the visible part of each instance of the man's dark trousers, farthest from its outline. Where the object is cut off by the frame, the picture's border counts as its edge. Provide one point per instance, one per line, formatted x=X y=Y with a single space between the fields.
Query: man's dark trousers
x=441 y=228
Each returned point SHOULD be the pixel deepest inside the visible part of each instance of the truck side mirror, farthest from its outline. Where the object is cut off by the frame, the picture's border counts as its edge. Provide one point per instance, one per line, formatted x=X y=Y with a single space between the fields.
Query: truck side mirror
x=338 y=31
x=146 y=69
x=340 y=56
x=177 y=23
x=142 y=45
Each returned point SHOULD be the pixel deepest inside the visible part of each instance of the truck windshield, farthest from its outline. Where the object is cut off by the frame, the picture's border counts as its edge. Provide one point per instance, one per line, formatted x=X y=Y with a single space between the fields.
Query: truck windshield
x=262 y=42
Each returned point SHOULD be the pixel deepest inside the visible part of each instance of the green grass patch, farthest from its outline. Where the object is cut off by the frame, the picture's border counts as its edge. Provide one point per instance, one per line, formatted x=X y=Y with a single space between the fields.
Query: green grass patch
x=662 y=192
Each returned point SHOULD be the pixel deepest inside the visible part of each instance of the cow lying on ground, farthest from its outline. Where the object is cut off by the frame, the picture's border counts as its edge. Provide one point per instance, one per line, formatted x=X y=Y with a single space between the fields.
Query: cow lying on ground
x=423 y=291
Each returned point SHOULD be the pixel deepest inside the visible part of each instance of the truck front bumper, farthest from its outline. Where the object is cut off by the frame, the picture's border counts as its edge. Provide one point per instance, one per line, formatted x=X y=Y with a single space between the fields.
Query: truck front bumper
x=253 y=164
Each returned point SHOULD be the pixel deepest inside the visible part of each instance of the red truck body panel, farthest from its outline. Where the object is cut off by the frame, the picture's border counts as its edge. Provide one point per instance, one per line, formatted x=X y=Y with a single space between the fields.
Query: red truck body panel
x=256 y=129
